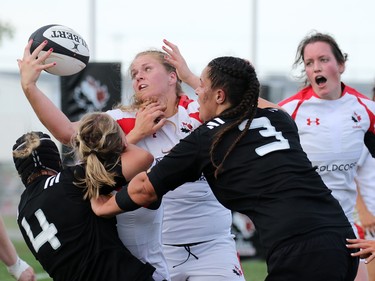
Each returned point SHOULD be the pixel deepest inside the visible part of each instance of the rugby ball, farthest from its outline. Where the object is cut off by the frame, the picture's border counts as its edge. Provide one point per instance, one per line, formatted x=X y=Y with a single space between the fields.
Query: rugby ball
x=70 y=50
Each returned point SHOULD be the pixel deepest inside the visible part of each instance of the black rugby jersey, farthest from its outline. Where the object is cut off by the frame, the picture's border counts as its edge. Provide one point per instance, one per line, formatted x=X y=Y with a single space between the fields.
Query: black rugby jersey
x=68 y=239
x=267 y=177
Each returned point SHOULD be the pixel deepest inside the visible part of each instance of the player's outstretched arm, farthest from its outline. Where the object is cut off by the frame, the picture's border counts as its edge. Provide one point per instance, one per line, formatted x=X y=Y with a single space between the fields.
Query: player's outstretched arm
x=18 y=268
x=51 y=116
x=139 y=192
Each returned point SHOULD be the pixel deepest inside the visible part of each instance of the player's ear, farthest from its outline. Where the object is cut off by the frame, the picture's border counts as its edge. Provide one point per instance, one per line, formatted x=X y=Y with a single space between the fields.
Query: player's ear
x=172 y=77
x=342 y=68
x=220 y=96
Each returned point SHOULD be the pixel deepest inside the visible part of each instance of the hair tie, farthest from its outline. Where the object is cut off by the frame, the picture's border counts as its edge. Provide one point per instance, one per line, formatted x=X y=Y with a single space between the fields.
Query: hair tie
x=93 y=151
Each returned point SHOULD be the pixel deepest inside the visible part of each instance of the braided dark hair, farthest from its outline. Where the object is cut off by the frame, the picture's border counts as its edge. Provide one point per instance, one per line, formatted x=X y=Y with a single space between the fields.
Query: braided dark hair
x=238 y=79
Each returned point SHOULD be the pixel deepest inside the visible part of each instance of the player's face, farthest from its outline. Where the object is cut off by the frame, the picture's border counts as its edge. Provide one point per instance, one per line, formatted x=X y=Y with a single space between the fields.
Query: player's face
x=206 y=98
x=150 y=79
x=322 y=70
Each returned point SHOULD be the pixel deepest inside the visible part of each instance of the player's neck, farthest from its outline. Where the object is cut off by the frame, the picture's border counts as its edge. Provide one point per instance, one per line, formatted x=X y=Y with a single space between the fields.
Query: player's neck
x=40 y=173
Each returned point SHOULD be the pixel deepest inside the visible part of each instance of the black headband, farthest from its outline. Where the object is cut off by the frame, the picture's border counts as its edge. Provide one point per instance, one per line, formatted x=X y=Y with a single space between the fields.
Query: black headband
x=45 y=156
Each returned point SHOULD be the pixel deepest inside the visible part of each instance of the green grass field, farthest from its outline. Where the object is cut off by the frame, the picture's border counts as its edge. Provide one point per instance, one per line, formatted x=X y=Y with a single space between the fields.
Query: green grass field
x=254 y=270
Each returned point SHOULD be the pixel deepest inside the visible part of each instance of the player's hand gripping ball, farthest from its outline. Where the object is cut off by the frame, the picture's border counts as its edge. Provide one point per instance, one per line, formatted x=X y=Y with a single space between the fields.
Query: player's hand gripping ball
x=70 y=50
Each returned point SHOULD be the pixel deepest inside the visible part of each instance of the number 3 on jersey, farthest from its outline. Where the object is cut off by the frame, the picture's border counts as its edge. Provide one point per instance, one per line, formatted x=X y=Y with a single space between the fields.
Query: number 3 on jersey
x=267 y=130
x=47 y=235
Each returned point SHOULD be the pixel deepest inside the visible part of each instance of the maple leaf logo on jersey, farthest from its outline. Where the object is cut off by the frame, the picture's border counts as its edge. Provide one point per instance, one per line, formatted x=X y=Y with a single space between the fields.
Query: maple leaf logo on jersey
x=237 y=271
x=356 y=119
x=186 y=127
x=312 y=121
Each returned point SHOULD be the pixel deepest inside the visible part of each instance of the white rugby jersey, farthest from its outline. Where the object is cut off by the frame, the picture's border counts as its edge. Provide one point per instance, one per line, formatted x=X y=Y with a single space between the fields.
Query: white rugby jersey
x=191 y=213
x=332 y=134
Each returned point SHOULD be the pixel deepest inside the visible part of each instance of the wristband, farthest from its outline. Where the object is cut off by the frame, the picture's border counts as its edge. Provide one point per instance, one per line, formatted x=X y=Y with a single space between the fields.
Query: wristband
x=124 y=201
x=18 y=268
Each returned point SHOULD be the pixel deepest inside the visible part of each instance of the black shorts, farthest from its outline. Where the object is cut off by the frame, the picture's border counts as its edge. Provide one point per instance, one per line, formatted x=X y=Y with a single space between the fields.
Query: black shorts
x=318 y=258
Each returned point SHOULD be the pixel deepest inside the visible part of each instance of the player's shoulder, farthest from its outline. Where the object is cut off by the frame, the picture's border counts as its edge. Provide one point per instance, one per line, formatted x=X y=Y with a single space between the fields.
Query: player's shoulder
x=355 y=98
x=269 y=112
x=273 y=113
x=185 y=101
x=212 y=125
x=277 y=118
x=190 y=108
x=119 y=113
x=347 y=90
x=303 y=94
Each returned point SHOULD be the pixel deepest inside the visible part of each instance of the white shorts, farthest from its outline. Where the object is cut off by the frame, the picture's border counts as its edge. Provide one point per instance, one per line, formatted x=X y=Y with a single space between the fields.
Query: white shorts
x=215 y=260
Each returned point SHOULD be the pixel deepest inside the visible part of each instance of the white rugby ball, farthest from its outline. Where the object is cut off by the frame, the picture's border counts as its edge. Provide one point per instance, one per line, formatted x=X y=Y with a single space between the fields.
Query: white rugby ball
x=70 y=50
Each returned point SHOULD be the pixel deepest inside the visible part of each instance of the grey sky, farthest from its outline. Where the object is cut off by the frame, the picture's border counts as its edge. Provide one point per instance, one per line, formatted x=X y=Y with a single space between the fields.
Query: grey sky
x=203 y=29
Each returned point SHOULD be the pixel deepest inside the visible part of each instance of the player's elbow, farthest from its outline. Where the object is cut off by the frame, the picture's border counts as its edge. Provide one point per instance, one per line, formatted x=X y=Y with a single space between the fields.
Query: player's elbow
x=149 y=191
x=149 y=159
x=143 y=192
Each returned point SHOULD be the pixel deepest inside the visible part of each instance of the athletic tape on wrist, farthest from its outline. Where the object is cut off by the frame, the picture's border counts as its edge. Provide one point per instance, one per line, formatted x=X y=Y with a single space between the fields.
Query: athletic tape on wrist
x=124 y=201
x=16 y=269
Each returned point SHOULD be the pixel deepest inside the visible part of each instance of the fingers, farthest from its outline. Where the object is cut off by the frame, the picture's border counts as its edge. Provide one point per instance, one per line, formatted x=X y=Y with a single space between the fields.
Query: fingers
x=156 y=115
x=38 y=49
x=36 y=55
x=147 y=102
x=366 y=248
x=159 y=124
x=370 y=232
x=28 y=58
x=172 y=48
x=353 y=240
x=356 y=244
x=153 y=106
x=173 y=52
x=369 y=259
x=26 y=51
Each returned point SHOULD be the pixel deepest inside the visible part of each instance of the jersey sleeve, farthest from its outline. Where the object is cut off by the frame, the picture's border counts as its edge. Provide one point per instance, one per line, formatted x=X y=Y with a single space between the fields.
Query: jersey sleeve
x=182 y=164
x=370 y=134
x=370 y=142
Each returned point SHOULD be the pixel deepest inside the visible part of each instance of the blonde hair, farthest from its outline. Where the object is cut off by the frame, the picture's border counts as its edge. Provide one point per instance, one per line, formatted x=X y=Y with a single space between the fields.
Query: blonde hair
x=98 y=145
x=30 y=142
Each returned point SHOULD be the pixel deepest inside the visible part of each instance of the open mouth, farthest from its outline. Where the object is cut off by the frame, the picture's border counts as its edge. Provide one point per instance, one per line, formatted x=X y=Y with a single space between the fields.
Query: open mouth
x=320 y=80
x=141 y=87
